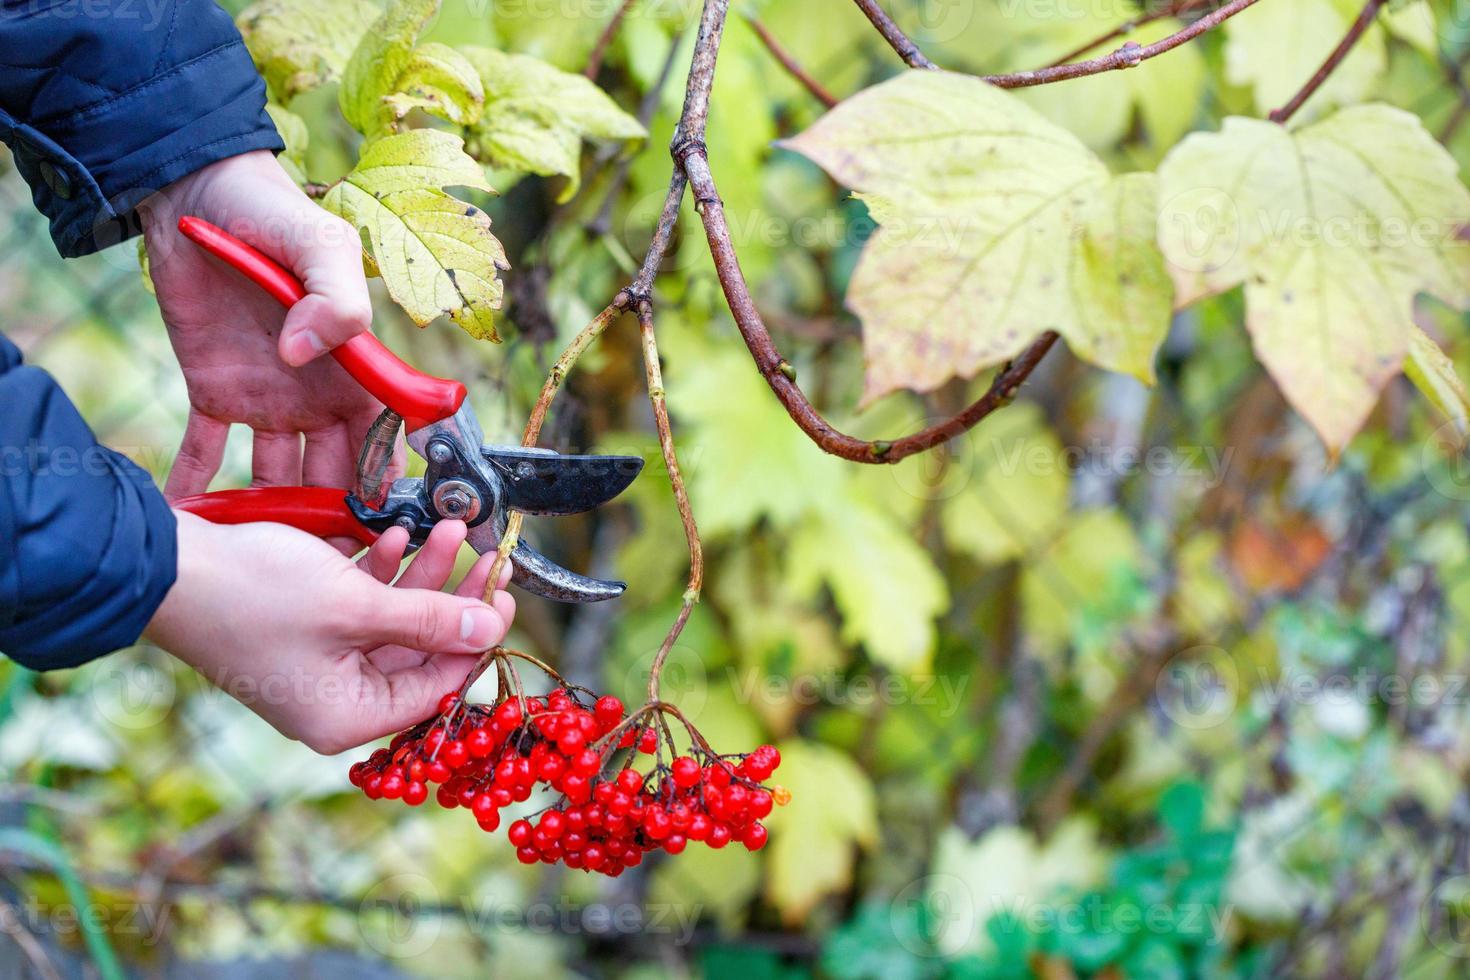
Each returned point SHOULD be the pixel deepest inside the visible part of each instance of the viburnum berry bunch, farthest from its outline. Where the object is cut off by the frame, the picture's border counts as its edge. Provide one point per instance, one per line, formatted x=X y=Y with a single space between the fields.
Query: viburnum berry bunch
x=609 y=812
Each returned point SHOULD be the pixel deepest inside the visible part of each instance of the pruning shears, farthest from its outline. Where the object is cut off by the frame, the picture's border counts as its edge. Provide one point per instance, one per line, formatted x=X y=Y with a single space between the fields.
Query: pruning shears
x=464 y=480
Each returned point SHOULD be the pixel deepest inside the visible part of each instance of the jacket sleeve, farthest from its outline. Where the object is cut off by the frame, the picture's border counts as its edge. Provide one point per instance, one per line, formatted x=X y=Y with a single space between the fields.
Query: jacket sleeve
x=89 y=544
x=104 y=102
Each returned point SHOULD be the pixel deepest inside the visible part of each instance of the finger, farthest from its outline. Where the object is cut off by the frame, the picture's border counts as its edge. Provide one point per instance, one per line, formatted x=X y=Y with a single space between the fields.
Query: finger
x=198 y=458
x=433 y=622
x=434 y=563
x=385 y=557
x=275 y=459
x=504 y=604
x=328 y=259
x=474 y=581
x=330 y=458
x=413 y=693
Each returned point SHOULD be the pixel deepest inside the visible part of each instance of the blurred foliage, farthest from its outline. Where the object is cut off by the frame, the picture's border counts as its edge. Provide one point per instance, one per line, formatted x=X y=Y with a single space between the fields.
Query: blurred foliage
x=1128 y=682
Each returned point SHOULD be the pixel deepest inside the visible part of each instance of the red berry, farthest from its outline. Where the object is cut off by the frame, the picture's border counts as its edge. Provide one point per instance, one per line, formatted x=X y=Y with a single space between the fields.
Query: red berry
x=454 y=754
x=520 y=834
x=630 y=781
x=587 y=762
x=553 y=824
x=437 y=771
x=571 y=741
x=483 y=805
x=491 y=822
x=719 y=836
x=686 y=772
x=448 y=703
x=392 y=786
x=754 y=837
x=675 y=843
x=608 y=710
x=526 y=855
x=648 y=741
x=760 y=804
x=415 y=793
x=480 y=742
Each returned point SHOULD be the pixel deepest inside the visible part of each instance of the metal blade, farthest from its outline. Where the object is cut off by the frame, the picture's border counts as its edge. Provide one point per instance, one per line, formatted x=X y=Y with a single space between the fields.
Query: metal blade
x=538 y=574
x=545 y=483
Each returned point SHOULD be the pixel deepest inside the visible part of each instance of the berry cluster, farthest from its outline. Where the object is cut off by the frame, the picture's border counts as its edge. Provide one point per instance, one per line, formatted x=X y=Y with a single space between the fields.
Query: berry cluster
x=486 y=757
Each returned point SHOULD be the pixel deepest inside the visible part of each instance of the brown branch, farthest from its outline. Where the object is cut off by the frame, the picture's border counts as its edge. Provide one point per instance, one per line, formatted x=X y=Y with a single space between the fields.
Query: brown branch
x=792 y=66
x=1365 y=19
x=896 y=38
x=1130 y=55
x=654 y=373
x=692 y=169
x=1128 y=27
x=605 y=39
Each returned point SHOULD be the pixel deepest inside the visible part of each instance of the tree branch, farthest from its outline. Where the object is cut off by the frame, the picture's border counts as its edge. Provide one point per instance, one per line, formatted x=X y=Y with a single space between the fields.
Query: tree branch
x=1174 y=9
x=654 y=373
x=605 y=39
x=792 y=66
x=1130 y=55
x=1364 y=20
x=896 y=38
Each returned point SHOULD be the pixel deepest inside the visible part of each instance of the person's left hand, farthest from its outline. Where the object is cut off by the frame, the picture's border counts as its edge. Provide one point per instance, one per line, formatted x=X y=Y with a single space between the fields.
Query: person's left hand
x=244 y=359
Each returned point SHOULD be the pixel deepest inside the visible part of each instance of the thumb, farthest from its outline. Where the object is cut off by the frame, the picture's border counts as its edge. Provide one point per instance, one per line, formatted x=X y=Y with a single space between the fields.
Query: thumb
x=336 y=307
x=433 y=622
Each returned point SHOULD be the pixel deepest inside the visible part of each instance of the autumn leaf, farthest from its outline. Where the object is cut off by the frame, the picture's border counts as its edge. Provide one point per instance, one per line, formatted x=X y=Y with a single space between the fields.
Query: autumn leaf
x=1434 y=374
x=536 y=116
x=994 y=225
x=1333 y=229
x=1273 y=47
x=436 y=254
x=299 y=45
x=390 y=74
x=814 y=842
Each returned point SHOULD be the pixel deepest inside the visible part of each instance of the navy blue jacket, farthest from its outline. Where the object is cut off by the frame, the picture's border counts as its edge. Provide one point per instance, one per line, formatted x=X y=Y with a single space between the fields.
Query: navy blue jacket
x=102 y=102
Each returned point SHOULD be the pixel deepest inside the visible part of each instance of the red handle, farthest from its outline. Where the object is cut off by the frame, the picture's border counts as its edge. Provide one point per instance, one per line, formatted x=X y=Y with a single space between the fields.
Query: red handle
x=420 y=398
x=321 y=511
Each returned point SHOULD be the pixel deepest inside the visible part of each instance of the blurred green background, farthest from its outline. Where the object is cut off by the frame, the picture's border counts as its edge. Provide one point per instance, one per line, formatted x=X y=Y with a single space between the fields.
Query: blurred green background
x=1127 y=682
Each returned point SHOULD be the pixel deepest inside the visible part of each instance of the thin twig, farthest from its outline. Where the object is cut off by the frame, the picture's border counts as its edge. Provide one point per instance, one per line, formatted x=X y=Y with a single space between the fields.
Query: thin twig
x=1364 y=20
x=1128 y=27
x=792 y=66
x=605 y=39
x=681 y=494
x=896 y=38
x=1130 y=55
x=554 y=379
x=692 y=169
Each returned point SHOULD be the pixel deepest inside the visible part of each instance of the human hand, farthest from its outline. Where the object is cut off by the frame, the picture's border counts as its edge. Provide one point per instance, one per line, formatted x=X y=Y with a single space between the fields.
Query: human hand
x=322 y=648
x=243 y=361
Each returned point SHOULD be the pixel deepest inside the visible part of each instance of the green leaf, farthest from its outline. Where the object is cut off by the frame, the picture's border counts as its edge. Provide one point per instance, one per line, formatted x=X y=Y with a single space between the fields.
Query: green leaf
x=995 y=225
x=1016 y=498
x=299 y=45
x=536 y=116
x=295 y=135
x=1333 y=229
x=813 y=839
x=439 y=81
x=1007 y=872
x=1274 y=47
x=436 y=254
x=1434 y=374
x=883 y=581
x=379 y=63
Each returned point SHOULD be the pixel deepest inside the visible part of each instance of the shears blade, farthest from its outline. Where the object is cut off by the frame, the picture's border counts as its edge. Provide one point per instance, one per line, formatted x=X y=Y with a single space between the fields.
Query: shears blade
x=548 y=484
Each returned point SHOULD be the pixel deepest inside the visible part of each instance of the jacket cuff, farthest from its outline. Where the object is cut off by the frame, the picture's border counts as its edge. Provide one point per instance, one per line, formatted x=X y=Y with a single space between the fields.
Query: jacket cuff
x=89 y=168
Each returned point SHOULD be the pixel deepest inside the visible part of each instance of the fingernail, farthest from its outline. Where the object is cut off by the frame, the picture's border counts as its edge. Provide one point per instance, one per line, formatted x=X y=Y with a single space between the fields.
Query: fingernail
x=479 y=627
x=304 y=346
x=313 y=342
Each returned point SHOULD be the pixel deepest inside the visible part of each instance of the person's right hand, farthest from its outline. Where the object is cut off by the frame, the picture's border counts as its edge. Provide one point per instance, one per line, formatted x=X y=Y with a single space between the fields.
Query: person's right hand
x=325 y=650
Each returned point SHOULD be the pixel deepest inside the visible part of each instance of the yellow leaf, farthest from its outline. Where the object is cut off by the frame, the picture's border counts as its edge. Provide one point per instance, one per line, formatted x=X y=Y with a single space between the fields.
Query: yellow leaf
x=1333 y=229
x=1434 y=374
x=833 y=811
x=995 y=225
x=299 y=45
x=436 y=253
